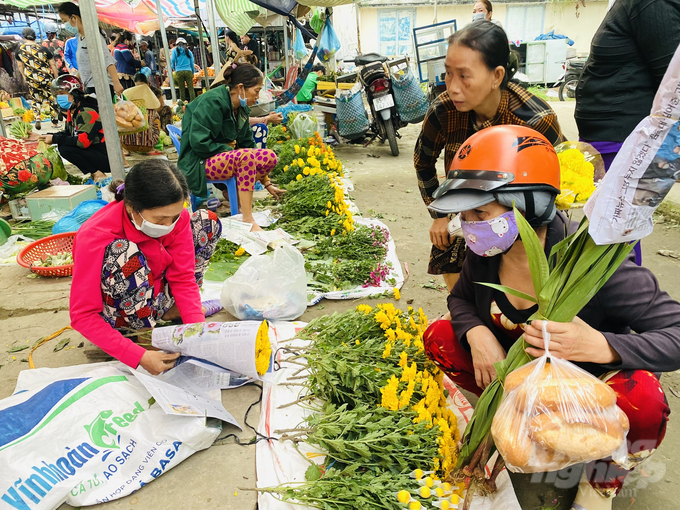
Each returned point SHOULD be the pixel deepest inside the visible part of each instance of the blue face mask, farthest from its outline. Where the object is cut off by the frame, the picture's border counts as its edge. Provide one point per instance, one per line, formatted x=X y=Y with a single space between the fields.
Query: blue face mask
x=63 y=102
x=70 y=28
x=243 y=101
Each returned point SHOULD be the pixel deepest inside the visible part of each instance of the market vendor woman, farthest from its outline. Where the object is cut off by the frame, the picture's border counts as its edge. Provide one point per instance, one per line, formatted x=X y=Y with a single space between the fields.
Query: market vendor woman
x=505 y=165
x=82 y=141
x=217 y=141
x=141 y=259
x=478 y=95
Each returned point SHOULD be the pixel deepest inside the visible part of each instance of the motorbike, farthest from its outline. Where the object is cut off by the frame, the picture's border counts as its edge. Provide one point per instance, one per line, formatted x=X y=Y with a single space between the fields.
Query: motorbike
x=375 y=79
x=573 y=69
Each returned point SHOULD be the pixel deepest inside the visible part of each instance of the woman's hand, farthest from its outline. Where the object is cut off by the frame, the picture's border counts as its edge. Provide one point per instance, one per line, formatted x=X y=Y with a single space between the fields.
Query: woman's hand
x=156 y=362
x=439 y=233
x=47 y=139
x=118 y=88
x=573 y=341
x=486 y=351
x=274 y=118
x=274 y=191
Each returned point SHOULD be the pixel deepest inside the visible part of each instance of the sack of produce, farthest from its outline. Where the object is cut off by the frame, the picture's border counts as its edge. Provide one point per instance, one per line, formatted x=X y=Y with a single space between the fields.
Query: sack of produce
x=22 y=168
x=268 y=287
x=303 y=126
x=351 y=113
x=554 y=415
x=410 y=98
x=129 y=117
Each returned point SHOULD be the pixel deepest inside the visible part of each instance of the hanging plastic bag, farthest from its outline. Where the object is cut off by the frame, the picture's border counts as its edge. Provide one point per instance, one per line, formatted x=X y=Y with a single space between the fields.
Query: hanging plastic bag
x=129 y=117
x=268 y=287
x=329 y=43
x=303 y=126
x=317 y=20
x=554 y=415
x=643 y=172
x=74 y=220
x=299 y=46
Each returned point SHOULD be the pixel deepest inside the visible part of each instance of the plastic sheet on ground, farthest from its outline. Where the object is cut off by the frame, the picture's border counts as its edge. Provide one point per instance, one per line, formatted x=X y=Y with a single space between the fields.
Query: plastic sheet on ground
x=278 y=461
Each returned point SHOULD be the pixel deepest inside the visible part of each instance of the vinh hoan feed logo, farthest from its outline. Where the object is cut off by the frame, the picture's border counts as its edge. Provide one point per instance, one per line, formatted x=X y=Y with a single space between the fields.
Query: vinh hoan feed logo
x=29 y=489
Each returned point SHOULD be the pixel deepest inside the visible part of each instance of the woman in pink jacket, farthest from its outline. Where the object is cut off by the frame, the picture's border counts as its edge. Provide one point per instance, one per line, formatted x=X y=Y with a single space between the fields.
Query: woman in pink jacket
x=140 y=259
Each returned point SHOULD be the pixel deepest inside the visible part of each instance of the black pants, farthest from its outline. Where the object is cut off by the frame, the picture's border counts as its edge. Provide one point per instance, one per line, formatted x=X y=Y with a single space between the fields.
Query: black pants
x=90 y=160
x=90 y=90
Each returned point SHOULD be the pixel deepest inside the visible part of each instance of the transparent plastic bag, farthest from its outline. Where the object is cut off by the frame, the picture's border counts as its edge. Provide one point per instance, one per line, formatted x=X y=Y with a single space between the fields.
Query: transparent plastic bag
x=303 y=126
x=268 y=287
x=554 y=415
x=129 y=116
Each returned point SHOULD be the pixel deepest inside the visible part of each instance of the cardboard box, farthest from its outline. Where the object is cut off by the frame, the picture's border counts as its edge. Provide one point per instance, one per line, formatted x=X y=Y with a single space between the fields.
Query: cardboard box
x=7 y=113
x=59 y=197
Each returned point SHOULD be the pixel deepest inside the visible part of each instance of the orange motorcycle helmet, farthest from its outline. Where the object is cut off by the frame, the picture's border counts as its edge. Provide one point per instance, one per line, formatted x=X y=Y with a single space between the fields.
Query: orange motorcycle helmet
x=495 y=160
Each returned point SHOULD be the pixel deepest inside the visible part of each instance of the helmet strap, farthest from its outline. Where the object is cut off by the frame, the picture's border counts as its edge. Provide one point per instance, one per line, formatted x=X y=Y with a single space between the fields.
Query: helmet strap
x=530 y=212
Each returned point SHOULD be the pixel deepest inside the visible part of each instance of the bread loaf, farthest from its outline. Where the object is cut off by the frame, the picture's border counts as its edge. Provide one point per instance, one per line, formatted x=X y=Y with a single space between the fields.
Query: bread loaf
x=589 y=436
x=520 y=453
x=553 y=391
x=123 y=123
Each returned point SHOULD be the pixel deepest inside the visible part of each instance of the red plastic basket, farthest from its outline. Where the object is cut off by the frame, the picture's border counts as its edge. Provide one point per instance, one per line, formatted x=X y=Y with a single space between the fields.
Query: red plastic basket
x=51 y=245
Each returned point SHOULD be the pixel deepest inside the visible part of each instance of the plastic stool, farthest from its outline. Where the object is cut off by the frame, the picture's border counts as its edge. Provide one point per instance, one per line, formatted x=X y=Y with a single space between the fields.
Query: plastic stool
x=175 y=135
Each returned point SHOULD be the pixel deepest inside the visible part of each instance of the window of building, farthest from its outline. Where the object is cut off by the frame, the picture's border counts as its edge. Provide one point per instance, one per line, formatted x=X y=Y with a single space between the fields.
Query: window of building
x=395 y=31
x=524 y=22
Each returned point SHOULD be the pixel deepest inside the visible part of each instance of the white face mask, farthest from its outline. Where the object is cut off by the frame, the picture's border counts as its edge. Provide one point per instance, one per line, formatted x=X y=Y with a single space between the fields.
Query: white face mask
x=153 y=230
x=479 y=16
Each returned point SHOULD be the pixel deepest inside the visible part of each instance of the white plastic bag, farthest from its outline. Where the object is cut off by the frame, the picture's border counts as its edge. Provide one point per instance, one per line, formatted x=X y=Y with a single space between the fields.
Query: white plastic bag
x=88 y=434
x=643 y=171
x=270 y=287
x=554 y=415
x=303 y=126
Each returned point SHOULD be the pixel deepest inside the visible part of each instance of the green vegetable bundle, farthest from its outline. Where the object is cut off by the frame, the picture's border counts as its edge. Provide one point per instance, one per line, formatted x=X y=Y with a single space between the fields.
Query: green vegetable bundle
x=20 y=129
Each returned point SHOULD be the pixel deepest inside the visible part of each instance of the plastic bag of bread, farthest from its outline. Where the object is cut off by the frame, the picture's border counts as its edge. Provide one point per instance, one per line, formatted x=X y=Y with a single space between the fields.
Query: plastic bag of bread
x=554 y=414
x=128 y=116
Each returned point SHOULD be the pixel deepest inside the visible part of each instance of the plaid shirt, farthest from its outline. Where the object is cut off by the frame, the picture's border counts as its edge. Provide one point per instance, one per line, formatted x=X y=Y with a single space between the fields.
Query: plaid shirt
x=446 y=128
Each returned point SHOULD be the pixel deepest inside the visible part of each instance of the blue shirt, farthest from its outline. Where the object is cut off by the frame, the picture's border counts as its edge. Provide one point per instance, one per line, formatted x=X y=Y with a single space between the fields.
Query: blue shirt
x=182 y=61
x=70 y=49
x=125 y=61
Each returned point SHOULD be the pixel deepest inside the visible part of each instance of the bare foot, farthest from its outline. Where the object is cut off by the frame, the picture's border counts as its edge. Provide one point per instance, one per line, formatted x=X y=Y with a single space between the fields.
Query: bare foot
x=255 y=228
x=171 y=314
x=98 y=176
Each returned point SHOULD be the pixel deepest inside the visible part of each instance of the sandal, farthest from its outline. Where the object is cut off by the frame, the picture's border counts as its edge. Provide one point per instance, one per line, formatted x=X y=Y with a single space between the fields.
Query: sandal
x=212 y=307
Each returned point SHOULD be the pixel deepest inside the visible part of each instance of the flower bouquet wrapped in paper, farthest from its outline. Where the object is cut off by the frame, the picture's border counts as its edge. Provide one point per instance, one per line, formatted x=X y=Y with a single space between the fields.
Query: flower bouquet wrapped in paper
x=244 y=347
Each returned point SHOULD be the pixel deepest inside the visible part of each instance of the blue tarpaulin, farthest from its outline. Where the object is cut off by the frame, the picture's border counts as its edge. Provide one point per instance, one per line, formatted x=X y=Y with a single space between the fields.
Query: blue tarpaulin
x=552 y=35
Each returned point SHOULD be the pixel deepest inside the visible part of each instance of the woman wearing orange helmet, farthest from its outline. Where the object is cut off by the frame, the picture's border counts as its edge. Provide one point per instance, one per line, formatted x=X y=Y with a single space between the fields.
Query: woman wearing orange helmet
x=478 y=95
x=505 y=165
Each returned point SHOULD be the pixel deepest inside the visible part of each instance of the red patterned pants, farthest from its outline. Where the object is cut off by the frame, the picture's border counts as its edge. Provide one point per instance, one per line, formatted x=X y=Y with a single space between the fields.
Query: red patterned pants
x=639 y=395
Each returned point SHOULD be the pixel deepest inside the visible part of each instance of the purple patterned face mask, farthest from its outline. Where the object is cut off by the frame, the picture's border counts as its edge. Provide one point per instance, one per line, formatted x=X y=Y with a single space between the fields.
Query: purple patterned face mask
x=492 y=237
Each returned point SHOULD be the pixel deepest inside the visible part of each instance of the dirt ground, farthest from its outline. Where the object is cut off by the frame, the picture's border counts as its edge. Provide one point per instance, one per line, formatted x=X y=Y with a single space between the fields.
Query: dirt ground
x=384 y=187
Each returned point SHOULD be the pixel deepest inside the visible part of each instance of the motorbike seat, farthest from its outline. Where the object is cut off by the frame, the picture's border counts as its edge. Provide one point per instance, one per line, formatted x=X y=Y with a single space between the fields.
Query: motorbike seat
x=368 y=58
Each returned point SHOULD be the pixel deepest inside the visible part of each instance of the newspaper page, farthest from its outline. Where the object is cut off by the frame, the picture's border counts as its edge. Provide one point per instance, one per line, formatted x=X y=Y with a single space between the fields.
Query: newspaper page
x=230 y=345
x=181 y=402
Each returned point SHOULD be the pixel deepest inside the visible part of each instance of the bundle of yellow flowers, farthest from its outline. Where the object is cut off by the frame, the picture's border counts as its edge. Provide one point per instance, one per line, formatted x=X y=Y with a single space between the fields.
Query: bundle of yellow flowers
x=263 y=349
x=421 y=391
x=577 y=175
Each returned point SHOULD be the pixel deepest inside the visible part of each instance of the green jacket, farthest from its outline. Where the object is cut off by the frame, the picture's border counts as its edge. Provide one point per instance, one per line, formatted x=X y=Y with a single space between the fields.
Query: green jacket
x=208 y=126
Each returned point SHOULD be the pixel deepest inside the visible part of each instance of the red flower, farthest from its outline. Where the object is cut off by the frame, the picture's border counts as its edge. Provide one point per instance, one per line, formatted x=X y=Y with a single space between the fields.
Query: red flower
x=24 y=175
x=84 y=140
